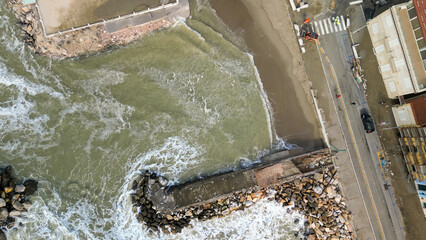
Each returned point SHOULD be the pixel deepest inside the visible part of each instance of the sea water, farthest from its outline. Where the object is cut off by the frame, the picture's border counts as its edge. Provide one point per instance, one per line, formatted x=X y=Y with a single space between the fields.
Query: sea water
x=184 y=102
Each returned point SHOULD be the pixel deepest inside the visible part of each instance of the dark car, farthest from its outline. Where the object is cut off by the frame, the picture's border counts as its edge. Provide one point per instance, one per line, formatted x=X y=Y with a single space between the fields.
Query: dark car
x=368 y=123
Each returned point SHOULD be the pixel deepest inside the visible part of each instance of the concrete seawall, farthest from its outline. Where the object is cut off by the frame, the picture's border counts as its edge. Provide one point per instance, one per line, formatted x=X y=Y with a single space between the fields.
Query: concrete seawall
x=276 y=168
x=170 y=12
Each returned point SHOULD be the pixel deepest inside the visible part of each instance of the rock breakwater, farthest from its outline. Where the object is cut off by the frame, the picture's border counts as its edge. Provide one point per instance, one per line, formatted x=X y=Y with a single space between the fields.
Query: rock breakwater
x=317 y=196
x=14 y=197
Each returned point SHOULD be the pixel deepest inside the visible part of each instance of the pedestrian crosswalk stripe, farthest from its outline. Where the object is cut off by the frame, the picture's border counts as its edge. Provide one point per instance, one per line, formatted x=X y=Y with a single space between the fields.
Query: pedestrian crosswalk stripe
x=325 y=25
x=343 y=22
x=321 y=27
x=316 y=27
x=335 y=26
x=331 y=25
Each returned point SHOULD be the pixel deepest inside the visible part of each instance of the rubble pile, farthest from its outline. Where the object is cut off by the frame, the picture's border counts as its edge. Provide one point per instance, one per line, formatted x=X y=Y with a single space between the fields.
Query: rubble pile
x=13 y=197
x=317 y=196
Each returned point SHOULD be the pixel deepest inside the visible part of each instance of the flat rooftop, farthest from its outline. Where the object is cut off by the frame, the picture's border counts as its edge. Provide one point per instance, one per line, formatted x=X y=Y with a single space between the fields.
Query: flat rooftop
x=66 y=14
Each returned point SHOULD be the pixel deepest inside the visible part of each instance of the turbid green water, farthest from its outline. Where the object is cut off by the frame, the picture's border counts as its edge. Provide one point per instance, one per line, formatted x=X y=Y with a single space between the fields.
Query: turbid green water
x=183 y=102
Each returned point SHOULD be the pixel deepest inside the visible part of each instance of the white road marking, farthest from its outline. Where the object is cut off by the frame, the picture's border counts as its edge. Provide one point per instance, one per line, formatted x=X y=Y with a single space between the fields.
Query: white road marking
x=312 y=27
x=335 y=26
x=316 y=27
x=325 y=25
x=348 y=22
x=343 y=22
x=321 y=27
x=340 y=24
x=331 y=25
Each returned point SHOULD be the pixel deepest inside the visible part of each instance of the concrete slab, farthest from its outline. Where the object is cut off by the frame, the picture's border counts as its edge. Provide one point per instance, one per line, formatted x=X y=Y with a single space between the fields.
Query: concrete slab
x=119 y=24
x=141 y=19
x=159 y=14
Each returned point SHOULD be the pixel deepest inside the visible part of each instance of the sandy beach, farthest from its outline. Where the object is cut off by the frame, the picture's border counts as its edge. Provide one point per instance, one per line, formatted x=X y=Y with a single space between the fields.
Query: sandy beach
x=268 y=32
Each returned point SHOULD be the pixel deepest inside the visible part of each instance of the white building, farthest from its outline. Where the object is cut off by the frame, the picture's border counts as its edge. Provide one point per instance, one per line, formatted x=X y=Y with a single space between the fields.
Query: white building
x=398 y=49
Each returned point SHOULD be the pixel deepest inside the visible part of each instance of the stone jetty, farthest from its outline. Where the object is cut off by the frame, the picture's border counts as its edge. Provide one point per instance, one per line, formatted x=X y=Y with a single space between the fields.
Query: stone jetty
x=14 y=197
x=315 y=194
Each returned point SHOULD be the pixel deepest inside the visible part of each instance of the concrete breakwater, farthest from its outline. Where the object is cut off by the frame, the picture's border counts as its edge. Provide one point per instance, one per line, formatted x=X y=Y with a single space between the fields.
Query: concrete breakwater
x=315 y=193
x=14 y=197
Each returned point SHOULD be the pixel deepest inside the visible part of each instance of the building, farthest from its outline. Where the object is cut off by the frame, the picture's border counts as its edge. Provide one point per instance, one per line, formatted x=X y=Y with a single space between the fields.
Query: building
x=421 y=190
x=412 y=113
x=411 y=120
x=399 y=45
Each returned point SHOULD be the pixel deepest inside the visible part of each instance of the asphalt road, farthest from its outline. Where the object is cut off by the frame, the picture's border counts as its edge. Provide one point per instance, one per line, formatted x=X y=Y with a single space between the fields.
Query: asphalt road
x=335 y=50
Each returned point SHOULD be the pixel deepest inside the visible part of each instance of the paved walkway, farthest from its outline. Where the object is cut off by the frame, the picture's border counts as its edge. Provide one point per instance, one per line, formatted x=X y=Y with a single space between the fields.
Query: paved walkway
x=169 y=12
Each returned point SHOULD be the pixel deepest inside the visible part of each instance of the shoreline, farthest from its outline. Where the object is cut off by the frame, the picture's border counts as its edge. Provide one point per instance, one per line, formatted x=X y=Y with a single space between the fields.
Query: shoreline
x=278 y=60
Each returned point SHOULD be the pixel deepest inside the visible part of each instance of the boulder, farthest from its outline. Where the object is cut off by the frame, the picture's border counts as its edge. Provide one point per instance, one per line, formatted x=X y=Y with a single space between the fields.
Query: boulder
x=18 y=206
x=162 y=181
x=29 y=17
x=14 y=213
x=331 y=193
x=3 y=213
x=26 y=205
x=2 y=202
x=25 y=9
x=9 y=222
x=318 y=177
x=8 y=189
x=30 y=186
x=15 y=198
x=188 y=213
x=318 y=190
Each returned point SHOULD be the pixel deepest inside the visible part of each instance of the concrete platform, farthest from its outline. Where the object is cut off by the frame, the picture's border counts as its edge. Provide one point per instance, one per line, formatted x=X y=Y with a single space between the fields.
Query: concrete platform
x=284 y=169
x=67 y=14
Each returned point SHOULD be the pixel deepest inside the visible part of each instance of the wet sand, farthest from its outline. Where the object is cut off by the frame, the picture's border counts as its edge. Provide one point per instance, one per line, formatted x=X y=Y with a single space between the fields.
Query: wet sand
x=268 y=32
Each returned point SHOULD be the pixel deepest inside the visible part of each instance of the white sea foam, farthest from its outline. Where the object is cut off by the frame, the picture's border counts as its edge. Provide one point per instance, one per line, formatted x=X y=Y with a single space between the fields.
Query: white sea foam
x=171 y=159
x=19 y=112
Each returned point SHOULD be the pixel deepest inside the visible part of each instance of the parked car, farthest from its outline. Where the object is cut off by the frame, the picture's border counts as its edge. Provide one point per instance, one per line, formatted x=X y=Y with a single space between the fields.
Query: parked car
x=368 y=123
